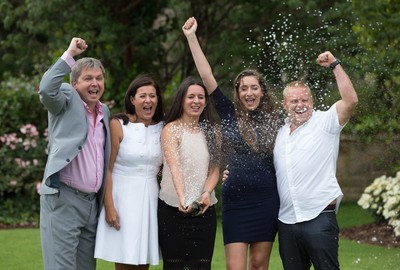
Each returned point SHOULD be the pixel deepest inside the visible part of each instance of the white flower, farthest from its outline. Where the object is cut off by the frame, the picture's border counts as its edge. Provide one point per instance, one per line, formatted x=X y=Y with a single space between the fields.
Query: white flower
x=382 y=197
x=397 y=231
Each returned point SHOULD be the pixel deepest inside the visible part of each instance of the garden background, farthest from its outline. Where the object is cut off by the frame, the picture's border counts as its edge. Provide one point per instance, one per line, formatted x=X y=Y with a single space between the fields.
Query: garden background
x=282 y=39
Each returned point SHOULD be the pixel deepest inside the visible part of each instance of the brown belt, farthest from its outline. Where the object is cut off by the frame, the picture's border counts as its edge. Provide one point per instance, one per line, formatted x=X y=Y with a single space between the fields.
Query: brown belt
x=329 y=208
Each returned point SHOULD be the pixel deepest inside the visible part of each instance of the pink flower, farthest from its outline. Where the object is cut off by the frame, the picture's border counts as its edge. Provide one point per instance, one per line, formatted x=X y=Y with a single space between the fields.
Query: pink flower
x=11 y=140
x=21 y=163
x=110 y=104
x=38 y=186
x=18 y=161
x=27 y=144
x=33 y=143
x=46 y=132
x=30 y=130
x=13 y=183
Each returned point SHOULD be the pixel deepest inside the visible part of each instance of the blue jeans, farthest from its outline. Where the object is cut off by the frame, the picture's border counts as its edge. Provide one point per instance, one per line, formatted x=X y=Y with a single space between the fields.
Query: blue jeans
x=313 y=242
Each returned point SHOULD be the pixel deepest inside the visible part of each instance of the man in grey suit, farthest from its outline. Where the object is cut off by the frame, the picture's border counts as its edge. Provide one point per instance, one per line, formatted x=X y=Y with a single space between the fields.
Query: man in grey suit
x=78 y=153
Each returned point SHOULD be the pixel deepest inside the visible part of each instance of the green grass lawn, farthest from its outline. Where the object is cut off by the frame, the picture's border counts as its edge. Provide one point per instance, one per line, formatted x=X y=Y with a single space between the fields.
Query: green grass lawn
x=20 y=248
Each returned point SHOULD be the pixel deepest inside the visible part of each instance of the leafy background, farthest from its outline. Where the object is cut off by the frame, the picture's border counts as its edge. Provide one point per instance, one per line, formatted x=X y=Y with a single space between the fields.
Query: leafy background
x=281 y=39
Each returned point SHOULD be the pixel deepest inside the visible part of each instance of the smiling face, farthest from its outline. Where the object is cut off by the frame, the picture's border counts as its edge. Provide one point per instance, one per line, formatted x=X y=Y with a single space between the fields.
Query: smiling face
x=90 y=86
x=194 y=101
x=298 y=104
x=145 y=102
x=250 y=92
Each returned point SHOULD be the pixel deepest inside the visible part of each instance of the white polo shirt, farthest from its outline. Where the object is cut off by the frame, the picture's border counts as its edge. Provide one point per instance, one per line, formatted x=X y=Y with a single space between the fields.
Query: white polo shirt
x=305 y=163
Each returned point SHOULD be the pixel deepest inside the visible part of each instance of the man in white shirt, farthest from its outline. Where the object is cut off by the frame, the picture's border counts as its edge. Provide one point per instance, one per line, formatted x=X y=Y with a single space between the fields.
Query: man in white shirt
x=305 y=156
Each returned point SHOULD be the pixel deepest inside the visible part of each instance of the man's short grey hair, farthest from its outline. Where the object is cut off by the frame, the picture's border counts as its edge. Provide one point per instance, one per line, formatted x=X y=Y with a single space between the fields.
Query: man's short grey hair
x=83 y=63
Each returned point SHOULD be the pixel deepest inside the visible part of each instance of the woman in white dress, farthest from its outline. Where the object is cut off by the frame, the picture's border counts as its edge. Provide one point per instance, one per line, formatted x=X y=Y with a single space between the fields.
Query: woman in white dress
x=186 y=213
x=127 y=232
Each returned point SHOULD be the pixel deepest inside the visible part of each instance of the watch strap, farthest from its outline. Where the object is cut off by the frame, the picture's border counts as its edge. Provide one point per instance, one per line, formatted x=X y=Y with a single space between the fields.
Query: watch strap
x=334 y=64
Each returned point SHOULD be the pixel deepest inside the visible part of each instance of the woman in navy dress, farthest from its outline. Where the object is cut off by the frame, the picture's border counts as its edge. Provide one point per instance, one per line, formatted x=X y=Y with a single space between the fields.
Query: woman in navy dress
x=250 y=201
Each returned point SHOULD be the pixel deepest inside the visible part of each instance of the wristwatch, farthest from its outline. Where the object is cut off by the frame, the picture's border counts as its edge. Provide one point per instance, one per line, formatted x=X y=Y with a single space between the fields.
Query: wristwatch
x=334 y=64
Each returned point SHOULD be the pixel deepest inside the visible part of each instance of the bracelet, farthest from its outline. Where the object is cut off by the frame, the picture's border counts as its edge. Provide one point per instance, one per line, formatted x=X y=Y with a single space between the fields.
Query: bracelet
x=334 y=64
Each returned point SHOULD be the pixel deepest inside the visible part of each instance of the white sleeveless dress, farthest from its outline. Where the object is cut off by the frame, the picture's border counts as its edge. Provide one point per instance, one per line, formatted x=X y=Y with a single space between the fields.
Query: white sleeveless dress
x=135 y=194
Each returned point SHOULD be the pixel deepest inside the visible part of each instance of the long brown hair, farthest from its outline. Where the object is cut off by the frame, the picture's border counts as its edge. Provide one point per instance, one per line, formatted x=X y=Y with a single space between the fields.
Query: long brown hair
x=259 y=127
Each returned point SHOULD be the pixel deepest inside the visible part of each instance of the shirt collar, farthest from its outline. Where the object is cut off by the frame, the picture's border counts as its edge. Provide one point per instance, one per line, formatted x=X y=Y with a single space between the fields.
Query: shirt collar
x=99 y=107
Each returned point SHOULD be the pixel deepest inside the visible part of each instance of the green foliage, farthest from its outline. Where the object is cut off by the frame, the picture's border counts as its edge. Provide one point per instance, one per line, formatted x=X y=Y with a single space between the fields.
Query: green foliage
x=22 y=151
x=377 y=24
x=20 y=210
x=280 y=39
x=19 y=104
x=120 y=33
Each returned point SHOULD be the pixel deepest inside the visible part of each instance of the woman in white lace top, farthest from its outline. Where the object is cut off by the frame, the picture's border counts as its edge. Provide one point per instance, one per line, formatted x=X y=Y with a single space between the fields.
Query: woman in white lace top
x=186 y=214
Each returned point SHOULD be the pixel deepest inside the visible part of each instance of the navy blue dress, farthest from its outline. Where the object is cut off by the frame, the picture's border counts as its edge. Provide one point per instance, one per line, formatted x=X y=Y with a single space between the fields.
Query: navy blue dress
x=250 y=201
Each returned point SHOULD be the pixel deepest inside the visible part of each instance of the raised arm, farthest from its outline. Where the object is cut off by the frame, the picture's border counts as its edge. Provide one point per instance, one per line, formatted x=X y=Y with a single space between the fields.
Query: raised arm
x=76 y=47
x=200 y=60
x=344 y=107
x=50 y=85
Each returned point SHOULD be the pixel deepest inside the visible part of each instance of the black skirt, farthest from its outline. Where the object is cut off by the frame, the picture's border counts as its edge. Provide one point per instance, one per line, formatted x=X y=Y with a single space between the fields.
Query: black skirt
x=186 y=241
x=250 y=221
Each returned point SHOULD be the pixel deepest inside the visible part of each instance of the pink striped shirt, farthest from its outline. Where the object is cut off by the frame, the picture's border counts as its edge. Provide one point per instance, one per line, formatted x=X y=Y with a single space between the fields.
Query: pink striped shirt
x=85 y=172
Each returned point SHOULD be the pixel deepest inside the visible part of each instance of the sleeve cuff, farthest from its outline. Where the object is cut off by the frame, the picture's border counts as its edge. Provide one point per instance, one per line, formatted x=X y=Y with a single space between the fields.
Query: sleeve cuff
x=68 y=59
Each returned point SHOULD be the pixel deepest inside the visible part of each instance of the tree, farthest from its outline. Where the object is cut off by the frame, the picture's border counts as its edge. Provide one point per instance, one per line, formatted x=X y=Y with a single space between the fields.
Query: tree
x=377 y=27
x=120 y=33
x=281 y=39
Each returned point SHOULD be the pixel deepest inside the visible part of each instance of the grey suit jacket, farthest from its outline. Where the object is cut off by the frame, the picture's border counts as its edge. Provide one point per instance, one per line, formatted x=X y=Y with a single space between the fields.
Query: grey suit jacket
x=67 y=126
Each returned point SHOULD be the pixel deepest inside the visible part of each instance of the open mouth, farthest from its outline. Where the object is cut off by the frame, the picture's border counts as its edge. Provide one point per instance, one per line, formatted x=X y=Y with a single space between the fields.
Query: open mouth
x=147 y=109
x=195 y=108
x=302 y=111
x=93 y=92
x=250 y=102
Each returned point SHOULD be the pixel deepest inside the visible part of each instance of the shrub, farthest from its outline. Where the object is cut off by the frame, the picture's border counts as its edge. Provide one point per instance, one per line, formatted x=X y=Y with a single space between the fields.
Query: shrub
x=23 y=155
x=23 y=142
x=382 y=198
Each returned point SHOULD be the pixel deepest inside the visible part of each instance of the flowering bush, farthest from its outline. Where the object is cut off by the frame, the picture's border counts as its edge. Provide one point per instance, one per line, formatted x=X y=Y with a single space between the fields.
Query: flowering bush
x=382 y=198
x=22 y=150
x=23 y=155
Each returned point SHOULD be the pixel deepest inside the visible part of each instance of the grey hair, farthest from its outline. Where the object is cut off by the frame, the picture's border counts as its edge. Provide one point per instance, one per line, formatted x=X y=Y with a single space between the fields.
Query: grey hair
x=83 y=63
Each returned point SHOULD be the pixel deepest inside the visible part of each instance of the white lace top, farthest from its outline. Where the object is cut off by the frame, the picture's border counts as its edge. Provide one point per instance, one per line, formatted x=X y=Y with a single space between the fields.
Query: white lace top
x=194 y=160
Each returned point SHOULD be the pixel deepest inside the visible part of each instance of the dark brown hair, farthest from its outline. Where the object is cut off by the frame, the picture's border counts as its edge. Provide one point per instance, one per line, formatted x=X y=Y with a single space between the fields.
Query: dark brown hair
x=207 y=121
x=139 y=81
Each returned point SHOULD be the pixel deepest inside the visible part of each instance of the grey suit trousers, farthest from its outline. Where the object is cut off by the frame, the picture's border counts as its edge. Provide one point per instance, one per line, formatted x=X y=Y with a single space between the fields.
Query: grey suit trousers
x=68 y=229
